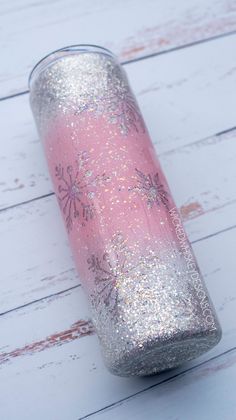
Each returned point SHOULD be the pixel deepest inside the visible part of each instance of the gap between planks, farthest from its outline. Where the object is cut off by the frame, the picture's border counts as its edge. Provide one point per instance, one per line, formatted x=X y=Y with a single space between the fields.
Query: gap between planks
x=146 y=57
x=70 y=328
x=152 y=30
x=168 y=152
x=189 y=211
x=61 y=292
x=165 y=96
x=172 y=378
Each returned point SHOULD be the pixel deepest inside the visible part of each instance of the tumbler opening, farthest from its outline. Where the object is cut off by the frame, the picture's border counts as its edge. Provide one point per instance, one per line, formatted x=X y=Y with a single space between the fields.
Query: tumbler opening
x=69 y=50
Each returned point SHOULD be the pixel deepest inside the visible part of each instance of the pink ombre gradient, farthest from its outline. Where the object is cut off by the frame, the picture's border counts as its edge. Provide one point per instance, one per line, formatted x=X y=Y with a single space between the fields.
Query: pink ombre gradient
x=118 y=207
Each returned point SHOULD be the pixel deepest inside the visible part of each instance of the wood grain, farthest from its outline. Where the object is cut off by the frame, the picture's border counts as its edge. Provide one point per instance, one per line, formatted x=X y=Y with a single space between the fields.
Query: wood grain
x=130 y=28
x=185 y=96
x=70 y=376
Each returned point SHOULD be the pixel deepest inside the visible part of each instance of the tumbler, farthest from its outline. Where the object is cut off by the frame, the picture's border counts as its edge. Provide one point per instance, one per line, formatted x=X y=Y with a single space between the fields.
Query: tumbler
x=149 y=304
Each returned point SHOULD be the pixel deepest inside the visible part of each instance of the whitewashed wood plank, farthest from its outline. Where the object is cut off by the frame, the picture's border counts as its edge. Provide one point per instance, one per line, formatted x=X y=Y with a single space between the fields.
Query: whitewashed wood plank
x=34 y=240
x=43 y=352
x=130 y=28
x=207 y=392
x=185 y=96
x=49 y=358
x=35 y=254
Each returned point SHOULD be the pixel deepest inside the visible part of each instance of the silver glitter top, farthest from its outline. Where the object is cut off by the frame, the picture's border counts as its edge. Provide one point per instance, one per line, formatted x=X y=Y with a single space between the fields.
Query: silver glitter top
x=88 y=81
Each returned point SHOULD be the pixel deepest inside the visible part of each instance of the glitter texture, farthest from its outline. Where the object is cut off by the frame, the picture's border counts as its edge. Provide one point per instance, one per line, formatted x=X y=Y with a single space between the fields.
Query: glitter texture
x=75 y=187
x=149 y=304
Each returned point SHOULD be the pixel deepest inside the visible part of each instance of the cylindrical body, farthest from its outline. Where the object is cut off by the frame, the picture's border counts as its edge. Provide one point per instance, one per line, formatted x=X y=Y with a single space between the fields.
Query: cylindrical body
x=149 y=304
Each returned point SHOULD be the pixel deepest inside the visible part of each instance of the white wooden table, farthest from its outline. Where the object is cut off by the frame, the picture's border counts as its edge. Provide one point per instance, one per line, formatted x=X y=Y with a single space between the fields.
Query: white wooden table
x=181 y=60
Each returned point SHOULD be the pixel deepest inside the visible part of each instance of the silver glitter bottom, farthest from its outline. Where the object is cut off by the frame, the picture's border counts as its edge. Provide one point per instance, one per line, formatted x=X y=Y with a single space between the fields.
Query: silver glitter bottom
x=161 y=318
x=156 y=356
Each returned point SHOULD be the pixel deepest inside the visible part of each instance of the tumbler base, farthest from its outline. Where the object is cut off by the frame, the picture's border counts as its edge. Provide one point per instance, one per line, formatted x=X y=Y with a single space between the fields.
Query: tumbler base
x=155 y=357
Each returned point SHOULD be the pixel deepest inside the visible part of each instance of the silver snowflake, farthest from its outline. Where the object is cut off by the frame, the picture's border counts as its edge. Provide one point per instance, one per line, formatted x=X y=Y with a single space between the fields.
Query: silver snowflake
x=151 y=187
x=120 y=108
x=123 y=111
x=76 y=188
x=113 y=269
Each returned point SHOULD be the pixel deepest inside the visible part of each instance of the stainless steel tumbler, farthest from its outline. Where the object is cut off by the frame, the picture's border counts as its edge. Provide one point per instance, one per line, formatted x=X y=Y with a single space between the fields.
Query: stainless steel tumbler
x=149 y=304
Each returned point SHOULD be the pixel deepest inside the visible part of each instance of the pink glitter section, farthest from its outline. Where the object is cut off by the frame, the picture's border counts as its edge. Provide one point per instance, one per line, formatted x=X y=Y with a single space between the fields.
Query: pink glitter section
x=126 y=189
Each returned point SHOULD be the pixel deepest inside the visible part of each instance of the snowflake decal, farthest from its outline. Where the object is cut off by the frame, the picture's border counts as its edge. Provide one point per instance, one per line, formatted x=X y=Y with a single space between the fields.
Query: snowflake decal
x=76 y=189
x=113 y=269
x=123 y=111
x=150 y=187
x=119 y=107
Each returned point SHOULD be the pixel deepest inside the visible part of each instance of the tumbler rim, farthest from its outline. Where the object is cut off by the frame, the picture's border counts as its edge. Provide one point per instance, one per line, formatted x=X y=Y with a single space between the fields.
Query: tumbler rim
x=73 y=49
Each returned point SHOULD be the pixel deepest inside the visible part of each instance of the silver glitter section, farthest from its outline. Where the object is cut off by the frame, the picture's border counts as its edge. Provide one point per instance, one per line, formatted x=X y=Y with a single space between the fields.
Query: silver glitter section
x=149 y=304
x=146 y=310
x=94 y=83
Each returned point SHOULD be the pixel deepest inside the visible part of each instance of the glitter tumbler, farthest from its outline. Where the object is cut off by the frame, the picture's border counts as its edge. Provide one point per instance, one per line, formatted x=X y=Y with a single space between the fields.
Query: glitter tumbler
x=149 y=304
